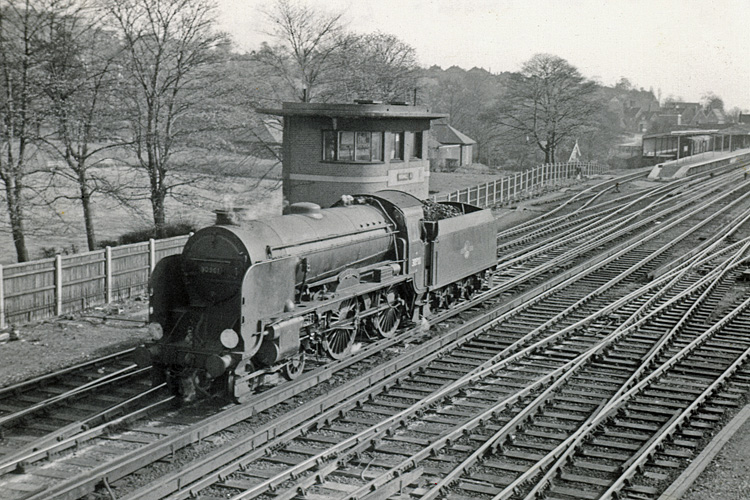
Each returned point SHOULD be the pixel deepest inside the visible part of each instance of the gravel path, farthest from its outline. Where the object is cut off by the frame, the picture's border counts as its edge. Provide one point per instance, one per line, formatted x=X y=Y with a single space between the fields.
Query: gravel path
x=53 y=344
x=728 y=476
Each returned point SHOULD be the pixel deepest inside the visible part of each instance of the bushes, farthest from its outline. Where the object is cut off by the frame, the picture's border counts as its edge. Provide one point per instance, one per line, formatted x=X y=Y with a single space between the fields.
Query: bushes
x=172 y=229
x=47 y=252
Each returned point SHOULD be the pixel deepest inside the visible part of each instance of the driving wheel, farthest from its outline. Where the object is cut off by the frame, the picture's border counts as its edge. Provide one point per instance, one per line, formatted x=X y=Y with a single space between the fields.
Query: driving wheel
x=339 y=338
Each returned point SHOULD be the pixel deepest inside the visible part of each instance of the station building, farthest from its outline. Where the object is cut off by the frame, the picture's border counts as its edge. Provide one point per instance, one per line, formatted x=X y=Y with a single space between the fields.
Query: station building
x=683 y=143
x=330 y=150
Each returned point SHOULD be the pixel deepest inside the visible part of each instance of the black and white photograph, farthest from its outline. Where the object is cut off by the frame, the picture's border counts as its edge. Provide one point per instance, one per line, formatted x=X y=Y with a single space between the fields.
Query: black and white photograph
x=374 y=250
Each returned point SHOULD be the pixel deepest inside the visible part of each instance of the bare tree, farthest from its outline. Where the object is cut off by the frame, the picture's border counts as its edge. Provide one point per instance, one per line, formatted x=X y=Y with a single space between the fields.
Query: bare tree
x=166 y=45
x=377 y=66
x=22 y=24
x=711 y=101
x=79 y=81
x=307 y=41
x=548 y=102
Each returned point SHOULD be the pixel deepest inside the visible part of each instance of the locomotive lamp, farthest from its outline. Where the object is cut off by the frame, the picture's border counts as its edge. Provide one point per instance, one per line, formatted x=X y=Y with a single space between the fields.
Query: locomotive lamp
x=229 y=338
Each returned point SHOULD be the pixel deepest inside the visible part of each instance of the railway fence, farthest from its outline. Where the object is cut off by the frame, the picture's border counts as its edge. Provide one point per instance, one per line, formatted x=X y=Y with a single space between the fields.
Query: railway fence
x=64 y=284
x=520 y=184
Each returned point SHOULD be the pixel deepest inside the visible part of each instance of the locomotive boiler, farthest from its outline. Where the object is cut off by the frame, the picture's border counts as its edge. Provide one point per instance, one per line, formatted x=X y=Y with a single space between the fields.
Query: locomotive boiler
x=247 y=299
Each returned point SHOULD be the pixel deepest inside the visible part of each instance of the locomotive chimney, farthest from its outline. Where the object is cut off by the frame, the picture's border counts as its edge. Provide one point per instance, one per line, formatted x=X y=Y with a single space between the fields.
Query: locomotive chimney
x=231 y=216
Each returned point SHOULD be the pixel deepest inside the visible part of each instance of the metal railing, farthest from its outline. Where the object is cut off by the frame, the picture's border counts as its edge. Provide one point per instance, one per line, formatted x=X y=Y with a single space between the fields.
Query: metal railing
x=520 y=185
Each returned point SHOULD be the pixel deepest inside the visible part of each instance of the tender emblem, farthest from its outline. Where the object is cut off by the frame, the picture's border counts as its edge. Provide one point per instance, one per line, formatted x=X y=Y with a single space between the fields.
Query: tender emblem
x=467 y=249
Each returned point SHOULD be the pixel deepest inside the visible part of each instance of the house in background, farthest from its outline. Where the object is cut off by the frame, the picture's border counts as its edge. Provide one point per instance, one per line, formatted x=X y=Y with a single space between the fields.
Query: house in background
x=449 y=148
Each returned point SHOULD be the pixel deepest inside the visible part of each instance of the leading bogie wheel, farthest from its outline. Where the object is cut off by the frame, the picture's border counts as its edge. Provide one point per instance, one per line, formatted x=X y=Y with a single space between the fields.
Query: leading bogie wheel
x=294 y=367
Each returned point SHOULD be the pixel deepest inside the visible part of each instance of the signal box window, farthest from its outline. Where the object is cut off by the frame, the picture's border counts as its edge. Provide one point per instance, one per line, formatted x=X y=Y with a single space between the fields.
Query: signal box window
x=377 y=146
x=397 y=146
x=346 y=146
x=416 y=146
x=352 y=146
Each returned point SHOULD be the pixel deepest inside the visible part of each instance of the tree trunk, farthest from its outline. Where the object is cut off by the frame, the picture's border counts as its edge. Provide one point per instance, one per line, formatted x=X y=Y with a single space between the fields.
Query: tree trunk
x=88 y=213
x=15 y=212
x=548 y=155
x=157 y=204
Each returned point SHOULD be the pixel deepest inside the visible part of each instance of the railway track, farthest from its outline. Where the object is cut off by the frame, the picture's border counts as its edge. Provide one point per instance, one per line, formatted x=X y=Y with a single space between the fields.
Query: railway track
x=150 y=435
x=444 y=373
x=51 y=413
x=402 y=436
x=56 y=406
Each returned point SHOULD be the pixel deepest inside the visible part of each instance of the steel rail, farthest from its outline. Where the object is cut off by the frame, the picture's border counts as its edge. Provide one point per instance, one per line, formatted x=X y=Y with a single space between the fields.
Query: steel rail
x=501 y=434
x=224 y=473
x=109 y=379
x=562 y=453
x=586 y=192
x=666 y=431
x=602 y=217
x=673 y=184
x=43 y=379
x=593 y=233
x=74 y=434
x=511 y=427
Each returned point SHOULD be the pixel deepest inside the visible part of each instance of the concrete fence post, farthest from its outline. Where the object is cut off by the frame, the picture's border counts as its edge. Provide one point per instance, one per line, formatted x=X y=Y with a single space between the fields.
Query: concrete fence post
x=151 y=256
x=108 y=274
x=58 y=285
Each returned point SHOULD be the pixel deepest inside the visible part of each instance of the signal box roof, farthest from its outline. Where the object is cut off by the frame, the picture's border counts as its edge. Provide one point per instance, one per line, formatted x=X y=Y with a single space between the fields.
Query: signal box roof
x=361 y=109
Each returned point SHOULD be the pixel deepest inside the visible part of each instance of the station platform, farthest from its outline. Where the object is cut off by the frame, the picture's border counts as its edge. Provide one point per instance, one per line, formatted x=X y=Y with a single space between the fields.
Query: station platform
x=684 y=167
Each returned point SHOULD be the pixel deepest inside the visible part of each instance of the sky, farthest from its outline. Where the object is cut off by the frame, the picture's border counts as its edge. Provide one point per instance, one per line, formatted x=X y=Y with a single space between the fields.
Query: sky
x=679 y=48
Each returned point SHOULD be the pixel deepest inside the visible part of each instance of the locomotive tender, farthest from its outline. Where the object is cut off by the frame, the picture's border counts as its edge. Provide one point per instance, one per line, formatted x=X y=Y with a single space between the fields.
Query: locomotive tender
x=249 y=298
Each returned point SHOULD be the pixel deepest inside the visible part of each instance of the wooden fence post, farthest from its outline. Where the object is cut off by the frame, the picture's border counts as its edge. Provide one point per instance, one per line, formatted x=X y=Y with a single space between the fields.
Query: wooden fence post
x=2 y=299
x=108 y=274
x=151 y=256
x=58 y=285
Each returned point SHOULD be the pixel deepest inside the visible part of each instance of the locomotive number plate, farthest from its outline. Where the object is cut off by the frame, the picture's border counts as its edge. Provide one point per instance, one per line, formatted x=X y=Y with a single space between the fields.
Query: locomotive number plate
x=218 y=269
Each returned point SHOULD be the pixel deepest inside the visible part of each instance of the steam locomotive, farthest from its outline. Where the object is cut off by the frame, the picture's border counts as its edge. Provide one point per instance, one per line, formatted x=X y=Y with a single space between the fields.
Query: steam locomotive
x=248 y=299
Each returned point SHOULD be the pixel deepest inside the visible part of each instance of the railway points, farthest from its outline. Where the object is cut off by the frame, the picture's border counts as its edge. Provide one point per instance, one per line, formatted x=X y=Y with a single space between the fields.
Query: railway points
x=525 y=269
